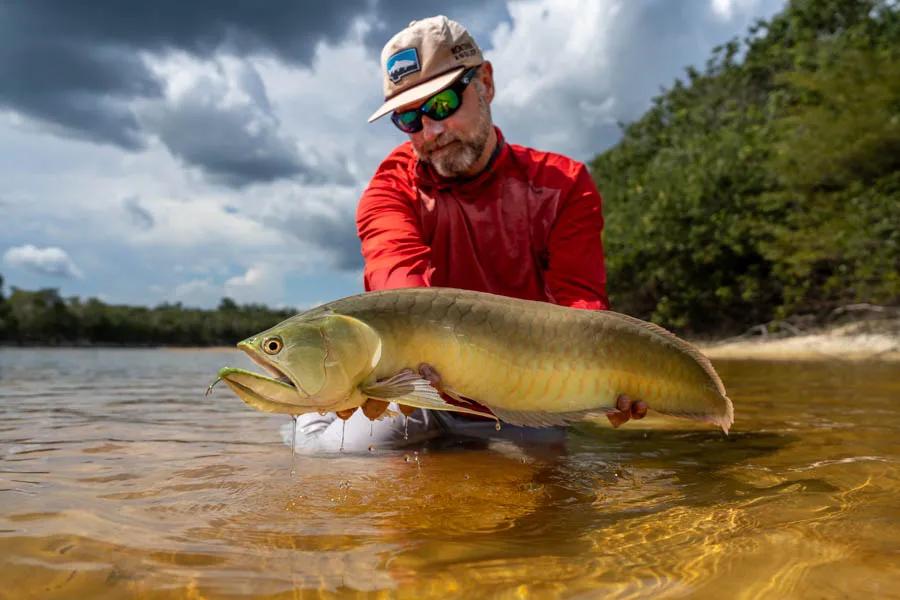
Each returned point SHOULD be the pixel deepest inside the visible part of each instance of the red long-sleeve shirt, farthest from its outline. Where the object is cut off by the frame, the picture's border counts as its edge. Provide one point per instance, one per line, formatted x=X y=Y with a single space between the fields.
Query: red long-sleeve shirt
x=529 y=226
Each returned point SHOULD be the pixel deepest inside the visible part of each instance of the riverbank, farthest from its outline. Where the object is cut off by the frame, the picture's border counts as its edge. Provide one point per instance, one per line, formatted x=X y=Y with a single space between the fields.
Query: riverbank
x=868 y=339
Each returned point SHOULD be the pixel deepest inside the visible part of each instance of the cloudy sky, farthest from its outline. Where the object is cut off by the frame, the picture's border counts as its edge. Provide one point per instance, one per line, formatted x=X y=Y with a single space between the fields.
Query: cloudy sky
x=185 y=151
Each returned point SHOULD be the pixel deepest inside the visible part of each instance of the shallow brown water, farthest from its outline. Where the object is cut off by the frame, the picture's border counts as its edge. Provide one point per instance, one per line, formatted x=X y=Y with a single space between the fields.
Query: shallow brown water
x=118 y=478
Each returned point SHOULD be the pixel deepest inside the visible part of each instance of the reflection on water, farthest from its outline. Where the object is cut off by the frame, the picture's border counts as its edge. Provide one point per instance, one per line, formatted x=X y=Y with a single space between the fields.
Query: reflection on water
x=119 y=478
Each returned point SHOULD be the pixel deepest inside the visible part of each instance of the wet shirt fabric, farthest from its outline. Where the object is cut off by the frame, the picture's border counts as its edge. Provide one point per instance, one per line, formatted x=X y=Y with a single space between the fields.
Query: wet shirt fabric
x=529 y=226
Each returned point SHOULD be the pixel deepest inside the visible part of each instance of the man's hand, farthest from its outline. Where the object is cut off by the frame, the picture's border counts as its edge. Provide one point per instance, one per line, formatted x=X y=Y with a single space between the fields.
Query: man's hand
x=627 y=409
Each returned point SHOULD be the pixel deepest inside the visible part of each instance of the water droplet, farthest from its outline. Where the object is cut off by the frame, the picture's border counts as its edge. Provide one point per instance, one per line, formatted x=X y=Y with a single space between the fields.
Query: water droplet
x=497 y=426
x=293 y=444
x=466 y=476
x=406 y=458
x=321 y=413
x=343 y=430
x=405 y=427
x=371 y=448
x=371 y=428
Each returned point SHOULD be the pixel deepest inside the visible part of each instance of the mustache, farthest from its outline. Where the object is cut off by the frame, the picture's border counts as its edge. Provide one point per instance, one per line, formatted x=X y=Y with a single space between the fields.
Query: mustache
x=439 y=142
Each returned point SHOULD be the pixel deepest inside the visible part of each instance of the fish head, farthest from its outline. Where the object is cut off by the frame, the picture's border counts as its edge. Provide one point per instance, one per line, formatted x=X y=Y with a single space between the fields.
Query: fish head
x=324 y=356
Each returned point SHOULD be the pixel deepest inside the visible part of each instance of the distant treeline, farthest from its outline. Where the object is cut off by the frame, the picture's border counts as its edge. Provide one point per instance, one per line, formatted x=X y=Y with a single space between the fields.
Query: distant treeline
x=44 y=317
x=767 y=184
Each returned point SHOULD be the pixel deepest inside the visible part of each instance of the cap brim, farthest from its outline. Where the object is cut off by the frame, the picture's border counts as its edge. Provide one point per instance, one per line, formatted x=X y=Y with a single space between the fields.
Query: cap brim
x=418 y=92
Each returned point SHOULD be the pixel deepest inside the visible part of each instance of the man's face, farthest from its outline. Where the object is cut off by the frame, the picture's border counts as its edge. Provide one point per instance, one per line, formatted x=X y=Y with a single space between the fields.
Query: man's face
x=454 y=145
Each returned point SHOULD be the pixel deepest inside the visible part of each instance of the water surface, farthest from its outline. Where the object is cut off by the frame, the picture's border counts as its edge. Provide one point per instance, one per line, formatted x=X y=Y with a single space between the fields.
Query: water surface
x=118 y=478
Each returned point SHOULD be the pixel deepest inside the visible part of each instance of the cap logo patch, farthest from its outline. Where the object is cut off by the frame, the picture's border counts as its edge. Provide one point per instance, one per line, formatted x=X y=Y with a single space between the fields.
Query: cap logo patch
x=402 y=64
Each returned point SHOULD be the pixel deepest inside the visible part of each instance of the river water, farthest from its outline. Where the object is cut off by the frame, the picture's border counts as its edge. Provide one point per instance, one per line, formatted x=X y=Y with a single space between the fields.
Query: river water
x=119 y=478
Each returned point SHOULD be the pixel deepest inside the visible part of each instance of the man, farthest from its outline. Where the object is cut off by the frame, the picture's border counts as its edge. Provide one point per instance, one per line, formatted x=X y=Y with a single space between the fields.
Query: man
x=458 y=206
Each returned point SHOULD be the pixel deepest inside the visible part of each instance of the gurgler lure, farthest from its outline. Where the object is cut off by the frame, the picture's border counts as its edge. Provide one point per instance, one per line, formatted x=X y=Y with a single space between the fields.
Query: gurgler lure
x=529 y=363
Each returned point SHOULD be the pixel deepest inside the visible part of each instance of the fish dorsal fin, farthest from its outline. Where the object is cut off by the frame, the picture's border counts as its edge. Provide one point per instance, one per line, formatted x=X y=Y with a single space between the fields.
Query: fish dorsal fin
x=409 y=389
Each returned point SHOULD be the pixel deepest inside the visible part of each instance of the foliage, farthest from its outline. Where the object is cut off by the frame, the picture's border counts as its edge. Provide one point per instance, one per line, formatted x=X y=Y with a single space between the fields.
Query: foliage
x=766 y=185
x=43 y=317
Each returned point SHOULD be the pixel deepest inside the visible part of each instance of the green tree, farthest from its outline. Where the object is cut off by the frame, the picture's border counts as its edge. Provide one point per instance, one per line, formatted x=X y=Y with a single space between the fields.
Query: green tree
x=717 y=199
x=7 y=325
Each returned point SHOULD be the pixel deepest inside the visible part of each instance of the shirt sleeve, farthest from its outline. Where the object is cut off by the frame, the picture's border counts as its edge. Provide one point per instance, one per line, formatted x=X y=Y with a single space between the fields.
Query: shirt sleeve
x=576 y=272
x=393 y=250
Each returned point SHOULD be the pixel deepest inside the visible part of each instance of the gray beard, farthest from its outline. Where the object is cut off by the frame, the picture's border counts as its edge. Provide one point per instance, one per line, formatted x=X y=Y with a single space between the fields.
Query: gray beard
x=460 y=161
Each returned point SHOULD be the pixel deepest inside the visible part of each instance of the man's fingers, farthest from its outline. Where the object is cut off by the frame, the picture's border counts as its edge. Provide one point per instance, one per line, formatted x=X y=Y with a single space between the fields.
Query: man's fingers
x=627 y=409
x=429 y=373
x=623 y=403
x=639 y=410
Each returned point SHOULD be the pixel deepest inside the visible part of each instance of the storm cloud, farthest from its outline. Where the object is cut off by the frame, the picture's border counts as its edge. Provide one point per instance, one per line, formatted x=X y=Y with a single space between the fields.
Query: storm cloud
x=325 y=218
x=76 y=68
x=217 y=117
x=139 y=216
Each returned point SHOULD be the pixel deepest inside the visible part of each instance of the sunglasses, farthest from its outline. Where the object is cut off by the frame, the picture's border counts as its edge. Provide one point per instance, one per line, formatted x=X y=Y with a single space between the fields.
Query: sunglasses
x=437 y=108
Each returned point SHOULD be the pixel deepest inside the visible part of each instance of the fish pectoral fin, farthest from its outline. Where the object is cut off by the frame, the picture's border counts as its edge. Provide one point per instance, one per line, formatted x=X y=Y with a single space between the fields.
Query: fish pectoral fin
x=409 y=389
x=404 y=383
x=541 y=418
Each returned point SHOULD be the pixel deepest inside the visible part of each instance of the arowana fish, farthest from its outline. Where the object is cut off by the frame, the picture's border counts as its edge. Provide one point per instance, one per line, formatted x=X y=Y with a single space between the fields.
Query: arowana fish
x=530 y=363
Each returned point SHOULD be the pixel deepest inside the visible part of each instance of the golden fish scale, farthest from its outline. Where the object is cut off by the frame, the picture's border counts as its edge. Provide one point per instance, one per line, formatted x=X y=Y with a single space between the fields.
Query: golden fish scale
x=531 y=356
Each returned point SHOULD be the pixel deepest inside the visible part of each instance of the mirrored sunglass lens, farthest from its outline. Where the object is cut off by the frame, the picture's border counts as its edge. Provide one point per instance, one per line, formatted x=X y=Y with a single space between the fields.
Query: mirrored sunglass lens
x=442 y=105
x=407 y=118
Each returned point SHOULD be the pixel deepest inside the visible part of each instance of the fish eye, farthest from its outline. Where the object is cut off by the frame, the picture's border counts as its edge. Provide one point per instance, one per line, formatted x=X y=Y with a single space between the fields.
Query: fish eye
x=272 y=345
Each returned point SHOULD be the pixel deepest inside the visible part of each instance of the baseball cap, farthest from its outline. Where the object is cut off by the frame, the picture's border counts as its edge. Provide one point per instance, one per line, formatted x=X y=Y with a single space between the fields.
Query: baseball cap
x=423 y=59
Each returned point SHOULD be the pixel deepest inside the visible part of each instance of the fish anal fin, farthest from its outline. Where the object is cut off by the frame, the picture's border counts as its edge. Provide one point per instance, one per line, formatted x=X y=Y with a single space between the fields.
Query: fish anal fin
x=456 y=396
x=541 y=418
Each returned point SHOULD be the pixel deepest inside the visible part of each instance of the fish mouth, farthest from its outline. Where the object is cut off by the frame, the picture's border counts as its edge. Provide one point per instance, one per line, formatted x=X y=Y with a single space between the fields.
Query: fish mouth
x=276 y=373
x=264 y=393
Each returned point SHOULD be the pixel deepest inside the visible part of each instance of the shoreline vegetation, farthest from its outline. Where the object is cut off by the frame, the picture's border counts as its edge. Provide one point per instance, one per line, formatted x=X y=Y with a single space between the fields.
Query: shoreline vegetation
x=753 y=209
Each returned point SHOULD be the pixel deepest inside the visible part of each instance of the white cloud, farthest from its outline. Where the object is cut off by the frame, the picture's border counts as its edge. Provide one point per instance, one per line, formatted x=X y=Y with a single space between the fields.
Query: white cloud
x=327 y=104
x=726 y=9
x=568 y=72
x=46 y=261
x=260 y=283
x=552 y=57
x=198 y=292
